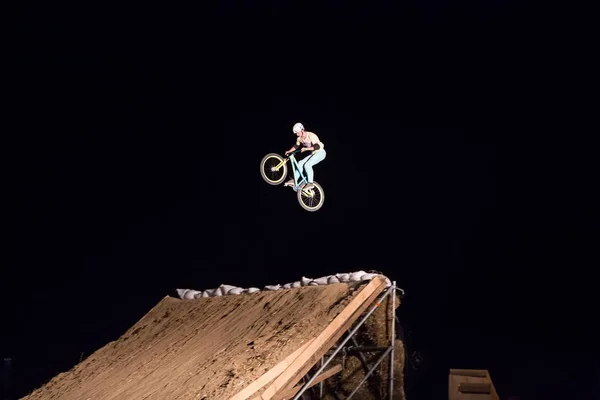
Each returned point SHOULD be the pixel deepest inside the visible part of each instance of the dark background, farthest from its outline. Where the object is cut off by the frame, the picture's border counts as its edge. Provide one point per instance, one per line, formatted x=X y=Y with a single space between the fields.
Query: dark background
x=132 y=169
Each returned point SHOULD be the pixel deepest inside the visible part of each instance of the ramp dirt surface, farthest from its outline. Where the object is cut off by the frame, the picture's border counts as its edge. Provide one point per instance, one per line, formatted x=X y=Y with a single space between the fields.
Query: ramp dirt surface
x=207 y=348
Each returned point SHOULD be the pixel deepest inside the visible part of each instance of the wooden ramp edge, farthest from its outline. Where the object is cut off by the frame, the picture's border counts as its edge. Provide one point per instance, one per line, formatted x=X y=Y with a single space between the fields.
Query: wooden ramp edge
x=270 y=375
x=315 y=349
x=289 y=393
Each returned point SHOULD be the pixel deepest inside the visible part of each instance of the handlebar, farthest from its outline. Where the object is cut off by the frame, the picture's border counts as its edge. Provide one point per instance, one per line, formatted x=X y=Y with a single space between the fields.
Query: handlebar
x=293 y=152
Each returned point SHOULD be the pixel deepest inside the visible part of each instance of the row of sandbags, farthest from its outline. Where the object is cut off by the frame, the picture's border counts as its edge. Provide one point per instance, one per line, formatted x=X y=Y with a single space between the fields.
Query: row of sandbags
x=226 y=290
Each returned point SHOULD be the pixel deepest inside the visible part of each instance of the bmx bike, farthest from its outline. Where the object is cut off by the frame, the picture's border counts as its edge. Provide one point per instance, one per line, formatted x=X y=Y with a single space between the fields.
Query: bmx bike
x=273 y=169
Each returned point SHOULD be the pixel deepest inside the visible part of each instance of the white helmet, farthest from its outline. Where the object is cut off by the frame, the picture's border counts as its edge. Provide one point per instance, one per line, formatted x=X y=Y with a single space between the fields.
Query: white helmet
x=298 y=127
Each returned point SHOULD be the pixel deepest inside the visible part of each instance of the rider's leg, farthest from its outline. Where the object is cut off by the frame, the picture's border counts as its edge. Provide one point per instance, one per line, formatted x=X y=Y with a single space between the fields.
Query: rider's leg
x=302 y=162
x=311 y=161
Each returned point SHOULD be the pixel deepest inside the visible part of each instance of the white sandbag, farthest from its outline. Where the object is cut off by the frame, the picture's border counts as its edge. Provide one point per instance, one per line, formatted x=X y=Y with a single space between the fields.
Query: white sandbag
x=355 y=276
x=235 y=290
x=368 y=277
x=305 y=281
x=225 y=288
x=321 y=281
x=209 y=292
x=190 y=294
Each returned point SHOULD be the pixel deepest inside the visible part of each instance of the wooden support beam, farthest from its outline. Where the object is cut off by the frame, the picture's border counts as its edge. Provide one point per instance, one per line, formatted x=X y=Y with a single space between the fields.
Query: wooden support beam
x=479 y=373
x=289 y=393
x=271 y=374
x=326 y=339
x=472 y=387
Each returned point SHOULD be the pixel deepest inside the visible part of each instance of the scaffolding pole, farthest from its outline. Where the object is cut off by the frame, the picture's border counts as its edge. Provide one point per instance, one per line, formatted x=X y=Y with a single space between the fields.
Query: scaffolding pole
x=367 y=349
x=393 y=341
x=322 y=382
x=362 y=321
x=384 y=355
x=361 y=356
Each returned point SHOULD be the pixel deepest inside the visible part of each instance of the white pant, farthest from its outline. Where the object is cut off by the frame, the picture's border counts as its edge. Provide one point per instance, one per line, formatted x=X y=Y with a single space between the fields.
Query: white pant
x=310 y=161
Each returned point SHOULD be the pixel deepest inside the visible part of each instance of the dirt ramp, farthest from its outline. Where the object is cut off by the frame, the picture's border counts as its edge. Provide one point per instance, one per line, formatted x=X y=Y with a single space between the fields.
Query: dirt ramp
x=207 y=348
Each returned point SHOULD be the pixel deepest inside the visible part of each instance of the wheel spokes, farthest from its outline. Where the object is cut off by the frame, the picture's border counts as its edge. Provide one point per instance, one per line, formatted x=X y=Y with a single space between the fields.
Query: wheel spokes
x=270 y=170
x=311 y=200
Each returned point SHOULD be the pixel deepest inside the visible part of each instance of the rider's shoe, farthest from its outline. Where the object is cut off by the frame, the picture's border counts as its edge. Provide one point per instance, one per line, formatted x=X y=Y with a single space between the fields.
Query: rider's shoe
x=308 y=186
x=289 y=183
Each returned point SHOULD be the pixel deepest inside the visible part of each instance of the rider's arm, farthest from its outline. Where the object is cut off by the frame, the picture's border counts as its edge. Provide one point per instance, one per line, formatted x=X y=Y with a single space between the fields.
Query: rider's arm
x=315 y=146
x=294 y=147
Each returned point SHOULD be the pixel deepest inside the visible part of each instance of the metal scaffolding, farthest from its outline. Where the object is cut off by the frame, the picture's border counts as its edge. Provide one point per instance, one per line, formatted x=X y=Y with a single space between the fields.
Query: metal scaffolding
x=359 y=350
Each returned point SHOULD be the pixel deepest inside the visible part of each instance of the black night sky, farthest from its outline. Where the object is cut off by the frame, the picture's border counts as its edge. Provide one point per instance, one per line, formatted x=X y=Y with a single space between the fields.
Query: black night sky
x=132 y=169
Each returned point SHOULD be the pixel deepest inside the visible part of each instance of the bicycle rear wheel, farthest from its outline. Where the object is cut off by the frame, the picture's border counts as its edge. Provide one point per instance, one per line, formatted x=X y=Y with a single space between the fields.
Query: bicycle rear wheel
x=268 y=171
x=311 y=199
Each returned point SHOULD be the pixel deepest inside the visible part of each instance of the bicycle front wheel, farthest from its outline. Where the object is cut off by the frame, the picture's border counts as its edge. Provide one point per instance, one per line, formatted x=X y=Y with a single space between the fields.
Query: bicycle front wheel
x=268 y=170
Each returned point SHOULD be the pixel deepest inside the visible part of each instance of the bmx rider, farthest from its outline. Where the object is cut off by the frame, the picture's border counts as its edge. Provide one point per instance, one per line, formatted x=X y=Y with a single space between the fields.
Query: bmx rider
x=310 y=142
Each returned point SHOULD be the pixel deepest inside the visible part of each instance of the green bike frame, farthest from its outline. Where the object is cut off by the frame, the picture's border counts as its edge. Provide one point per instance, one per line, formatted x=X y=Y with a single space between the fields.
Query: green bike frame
x=295 y=169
